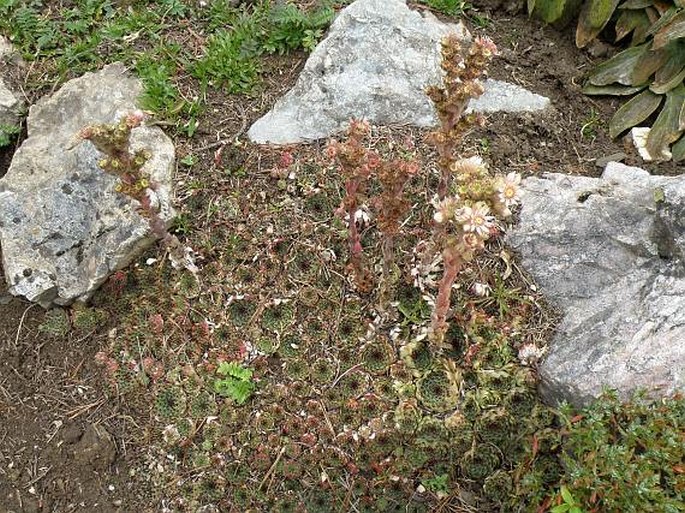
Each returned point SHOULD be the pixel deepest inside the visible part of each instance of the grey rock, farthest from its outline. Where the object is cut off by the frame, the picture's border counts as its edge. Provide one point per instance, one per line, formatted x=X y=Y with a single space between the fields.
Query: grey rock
x=608 y=252
x=504 y=97
x=11 y=105
x=63 y=227
x=614 y=157
x=376 y=62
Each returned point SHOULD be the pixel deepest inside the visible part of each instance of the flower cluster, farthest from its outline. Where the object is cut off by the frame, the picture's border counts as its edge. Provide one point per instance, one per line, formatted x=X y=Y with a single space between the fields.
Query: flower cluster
x=461 y=83
x=469 y=217
x=358 y=164
x=113 y=140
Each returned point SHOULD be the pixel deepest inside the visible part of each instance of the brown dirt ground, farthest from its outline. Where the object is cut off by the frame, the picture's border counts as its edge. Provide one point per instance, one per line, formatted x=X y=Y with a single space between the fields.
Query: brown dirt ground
x=65 y=443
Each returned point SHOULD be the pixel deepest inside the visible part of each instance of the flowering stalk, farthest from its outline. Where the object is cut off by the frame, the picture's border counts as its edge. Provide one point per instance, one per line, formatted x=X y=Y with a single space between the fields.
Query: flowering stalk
x=356 y=164
x=468 y=217
x=391 y=205
x=460 y=85
x=113 y=141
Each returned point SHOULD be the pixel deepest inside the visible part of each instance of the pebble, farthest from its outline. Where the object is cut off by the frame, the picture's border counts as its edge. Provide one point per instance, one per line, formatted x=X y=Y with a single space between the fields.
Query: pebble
x=614 y=157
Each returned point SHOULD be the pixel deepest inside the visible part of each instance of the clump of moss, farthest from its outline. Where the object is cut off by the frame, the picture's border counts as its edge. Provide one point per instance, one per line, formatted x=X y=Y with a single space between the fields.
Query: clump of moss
x=240 y=311
x=171 y=402
x=87 y=319
x=55 y=323
x=481 y=461
x=277 y=316
x=322 y=370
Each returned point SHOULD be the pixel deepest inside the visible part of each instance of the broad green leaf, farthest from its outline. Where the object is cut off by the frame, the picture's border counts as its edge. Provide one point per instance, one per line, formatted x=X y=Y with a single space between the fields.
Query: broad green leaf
x=663 y=19
x=663 y=85
x=629 y=21
x=633 y=112
x=653 y=16
x=611 y=90
x=619 y=68
x=666 y=128
x=647 y=64
x=678 y=150
x=670 y=75
x=566 y=495
x=561 y=508
x=672 y=31
x=636 y=4
x=593 y=18
x=550 y=11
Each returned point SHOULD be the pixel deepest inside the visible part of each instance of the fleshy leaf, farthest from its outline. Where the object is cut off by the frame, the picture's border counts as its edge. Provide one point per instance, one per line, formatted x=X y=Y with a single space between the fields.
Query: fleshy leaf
x=661 y=86
x=663 y=19
x=672 y=31
x=635 y=4
x=550 y=11
x=611 y=90
x=666 y=128
x=629 y=21
x=633 y=112
x=678 y=150
x=619 y=68
x=647 y=64
x=593 y=18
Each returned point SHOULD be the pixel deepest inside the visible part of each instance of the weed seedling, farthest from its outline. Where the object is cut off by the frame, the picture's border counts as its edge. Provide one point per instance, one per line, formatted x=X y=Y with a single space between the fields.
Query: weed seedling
x=235 y=382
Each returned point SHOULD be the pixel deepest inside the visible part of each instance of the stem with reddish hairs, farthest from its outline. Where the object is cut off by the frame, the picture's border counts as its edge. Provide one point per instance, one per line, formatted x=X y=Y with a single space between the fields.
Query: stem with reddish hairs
x=453 y=263
x=354 y=240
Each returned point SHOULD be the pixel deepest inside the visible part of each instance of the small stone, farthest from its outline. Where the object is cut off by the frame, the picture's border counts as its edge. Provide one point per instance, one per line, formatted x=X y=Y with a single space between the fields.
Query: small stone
x=95 y=448
x=614 y=157
x=598 y=49
x=639 y=135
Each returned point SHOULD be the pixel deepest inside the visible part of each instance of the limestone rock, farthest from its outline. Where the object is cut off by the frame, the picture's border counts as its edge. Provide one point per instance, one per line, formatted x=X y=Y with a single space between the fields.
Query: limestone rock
x=63 y=227
x=609 y=253
x=11 y=106
x=376 y=62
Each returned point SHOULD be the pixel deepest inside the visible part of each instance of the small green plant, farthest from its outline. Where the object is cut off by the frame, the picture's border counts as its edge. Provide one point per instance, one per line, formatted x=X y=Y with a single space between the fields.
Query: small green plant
x=235 y=382
x=113 y=140
x=569 y=504
x=8 y=134
x=615 y=456
x=592 y=122
x=232 y=56
x=55 y=323
x=437 y=484
x=451 y=7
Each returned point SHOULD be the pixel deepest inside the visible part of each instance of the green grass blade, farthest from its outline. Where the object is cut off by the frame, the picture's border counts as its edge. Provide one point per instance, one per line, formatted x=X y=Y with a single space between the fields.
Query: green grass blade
x=619 y=68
